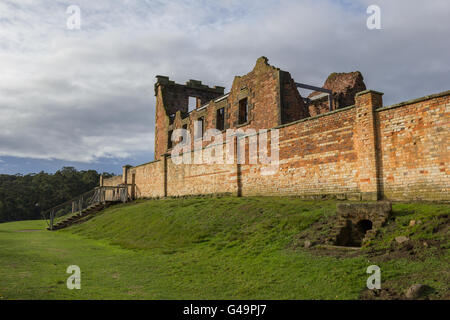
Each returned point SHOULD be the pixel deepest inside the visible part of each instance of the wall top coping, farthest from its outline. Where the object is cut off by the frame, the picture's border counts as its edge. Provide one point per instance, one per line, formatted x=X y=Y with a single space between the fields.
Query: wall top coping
x=404 y=103
x=144 y=164
x=195 y=84
x=314 y=117
x=368 y=91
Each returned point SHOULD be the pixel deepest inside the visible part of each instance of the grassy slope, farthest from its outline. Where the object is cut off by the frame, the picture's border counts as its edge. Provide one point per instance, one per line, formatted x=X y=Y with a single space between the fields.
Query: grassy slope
x=206 y=248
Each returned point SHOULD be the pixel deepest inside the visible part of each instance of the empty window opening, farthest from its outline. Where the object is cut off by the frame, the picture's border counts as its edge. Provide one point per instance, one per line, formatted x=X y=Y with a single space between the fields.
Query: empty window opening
x=220 y=119
x=192 y=103
x=171 y=118
x=243 y=111
x=185 y=133
x=200 y=123
x=169 y=140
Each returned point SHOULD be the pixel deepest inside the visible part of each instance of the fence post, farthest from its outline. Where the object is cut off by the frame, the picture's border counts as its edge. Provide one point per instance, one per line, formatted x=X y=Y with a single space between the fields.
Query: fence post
x=51 y=219
x=80 y=204
x=125 y=194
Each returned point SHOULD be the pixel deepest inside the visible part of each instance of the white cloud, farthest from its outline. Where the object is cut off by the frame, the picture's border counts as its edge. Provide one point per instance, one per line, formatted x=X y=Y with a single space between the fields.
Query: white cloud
x=82 y=95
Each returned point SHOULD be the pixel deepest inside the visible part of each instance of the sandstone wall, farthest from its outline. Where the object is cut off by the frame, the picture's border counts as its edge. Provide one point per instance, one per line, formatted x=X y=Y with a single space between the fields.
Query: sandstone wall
x=149 y=179
x=197 y=179
x=113 y=181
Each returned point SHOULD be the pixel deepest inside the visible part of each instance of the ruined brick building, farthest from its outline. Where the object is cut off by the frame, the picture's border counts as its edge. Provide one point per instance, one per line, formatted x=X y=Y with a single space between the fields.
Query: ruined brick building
x=339 y=142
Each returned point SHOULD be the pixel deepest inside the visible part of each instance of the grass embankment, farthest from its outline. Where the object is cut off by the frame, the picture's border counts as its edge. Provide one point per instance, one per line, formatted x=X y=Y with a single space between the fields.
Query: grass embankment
x=216 y=248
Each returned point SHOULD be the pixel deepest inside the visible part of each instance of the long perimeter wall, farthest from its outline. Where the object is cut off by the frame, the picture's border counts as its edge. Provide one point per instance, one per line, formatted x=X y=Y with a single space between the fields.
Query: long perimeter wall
x=362 y=152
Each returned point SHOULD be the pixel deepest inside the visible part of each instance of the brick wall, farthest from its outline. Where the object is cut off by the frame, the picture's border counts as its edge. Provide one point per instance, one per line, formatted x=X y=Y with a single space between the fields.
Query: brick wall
x=317 y=157
x=365 y=142
x=344 y=87
x=414 y=149
x=197 y=179
x=261 y=87
x=292 y=106
x=361 y=152
x=149 y=179
x=173 y=98
x=271 y=95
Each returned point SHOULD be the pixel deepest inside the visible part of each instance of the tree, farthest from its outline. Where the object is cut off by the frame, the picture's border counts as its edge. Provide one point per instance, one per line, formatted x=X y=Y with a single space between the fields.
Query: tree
x=23 y=197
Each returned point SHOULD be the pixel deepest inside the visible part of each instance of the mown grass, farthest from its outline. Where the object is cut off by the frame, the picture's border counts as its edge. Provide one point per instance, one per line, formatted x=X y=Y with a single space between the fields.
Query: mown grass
x=199 y=248
x=251 y=224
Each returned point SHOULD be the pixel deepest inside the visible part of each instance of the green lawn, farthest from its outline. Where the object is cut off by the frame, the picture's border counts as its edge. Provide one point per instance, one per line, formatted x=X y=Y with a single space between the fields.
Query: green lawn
x=208 y=248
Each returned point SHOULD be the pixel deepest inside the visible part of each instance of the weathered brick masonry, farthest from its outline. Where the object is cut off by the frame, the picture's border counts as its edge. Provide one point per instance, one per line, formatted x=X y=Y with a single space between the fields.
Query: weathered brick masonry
x=414 y=149
x=362 y=151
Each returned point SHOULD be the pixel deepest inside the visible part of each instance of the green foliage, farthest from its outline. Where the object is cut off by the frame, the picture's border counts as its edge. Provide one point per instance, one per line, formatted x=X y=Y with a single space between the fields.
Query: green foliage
x=23 y=197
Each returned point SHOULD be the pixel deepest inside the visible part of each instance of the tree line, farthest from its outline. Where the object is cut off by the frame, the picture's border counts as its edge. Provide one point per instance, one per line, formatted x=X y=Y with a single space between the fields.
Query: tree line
x=23 y=197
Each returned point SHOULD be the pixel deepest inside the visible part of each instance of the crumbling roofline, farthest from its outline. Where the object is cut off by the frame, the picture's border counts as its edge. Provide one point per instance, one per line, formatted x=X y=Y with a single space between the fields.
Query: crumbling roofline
x=206 y=104
x=310 y=87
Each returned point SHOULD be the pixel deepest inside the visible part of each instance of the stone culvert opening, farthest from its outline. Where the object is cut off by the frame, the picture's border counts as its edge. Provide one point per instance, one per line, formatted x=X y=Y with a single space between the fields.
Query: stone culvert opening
x=352 y=235
x=358 y=222
x=363 y=226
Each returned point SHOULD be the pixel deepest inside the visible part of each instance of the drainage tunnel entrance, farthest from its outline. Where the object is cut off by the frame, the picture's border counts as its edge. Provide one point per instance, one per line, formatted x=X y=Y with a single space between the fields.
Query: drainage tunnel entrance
x=352 y=235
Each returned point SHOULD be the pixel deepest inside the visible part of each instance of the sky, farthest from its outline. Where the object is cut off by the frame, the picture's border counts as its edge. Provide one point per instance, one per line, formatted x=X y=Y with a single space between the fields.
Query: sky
x=84 y=97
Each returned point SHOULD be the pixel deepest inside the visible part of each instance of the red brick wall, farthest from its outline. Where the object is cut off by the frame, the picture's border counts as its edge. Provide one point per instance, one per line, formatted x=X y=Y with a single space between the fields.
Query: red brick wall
x=292 y=106
x=171 y=98
x=317 y=157
x=268 y=103
x=365 y=142
x=262 y=89
x=360 y=152
x=415 y=150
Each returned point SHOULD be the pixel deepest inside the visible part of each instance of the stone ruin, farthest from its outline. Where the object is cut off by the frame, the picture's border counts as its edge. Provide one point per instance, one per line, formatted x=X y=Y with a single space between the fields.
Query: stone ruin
x=341 y=142
x=359 y=222
x=344 y=87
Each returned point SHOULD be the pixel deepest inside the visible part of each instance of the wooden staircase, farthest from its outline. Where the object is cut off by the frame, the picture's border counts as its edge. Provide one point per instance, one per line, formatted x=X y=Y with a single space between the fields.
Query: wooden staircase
x=82 y=216
x=83 y=207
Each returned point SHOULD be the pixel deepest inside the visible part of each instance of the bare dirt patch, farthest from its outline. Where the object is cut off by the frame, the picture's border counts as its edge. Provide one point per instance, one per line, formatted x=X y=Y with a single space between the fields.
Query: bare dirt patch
x=381 y=294
x=429 y=240
x=415 y=250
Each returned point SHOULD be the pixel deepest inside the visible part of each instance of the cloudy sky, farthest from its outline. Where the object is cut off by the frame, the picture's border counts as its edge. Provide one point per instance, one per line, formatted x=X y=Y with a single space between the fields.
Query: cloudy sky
x=85 y=97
